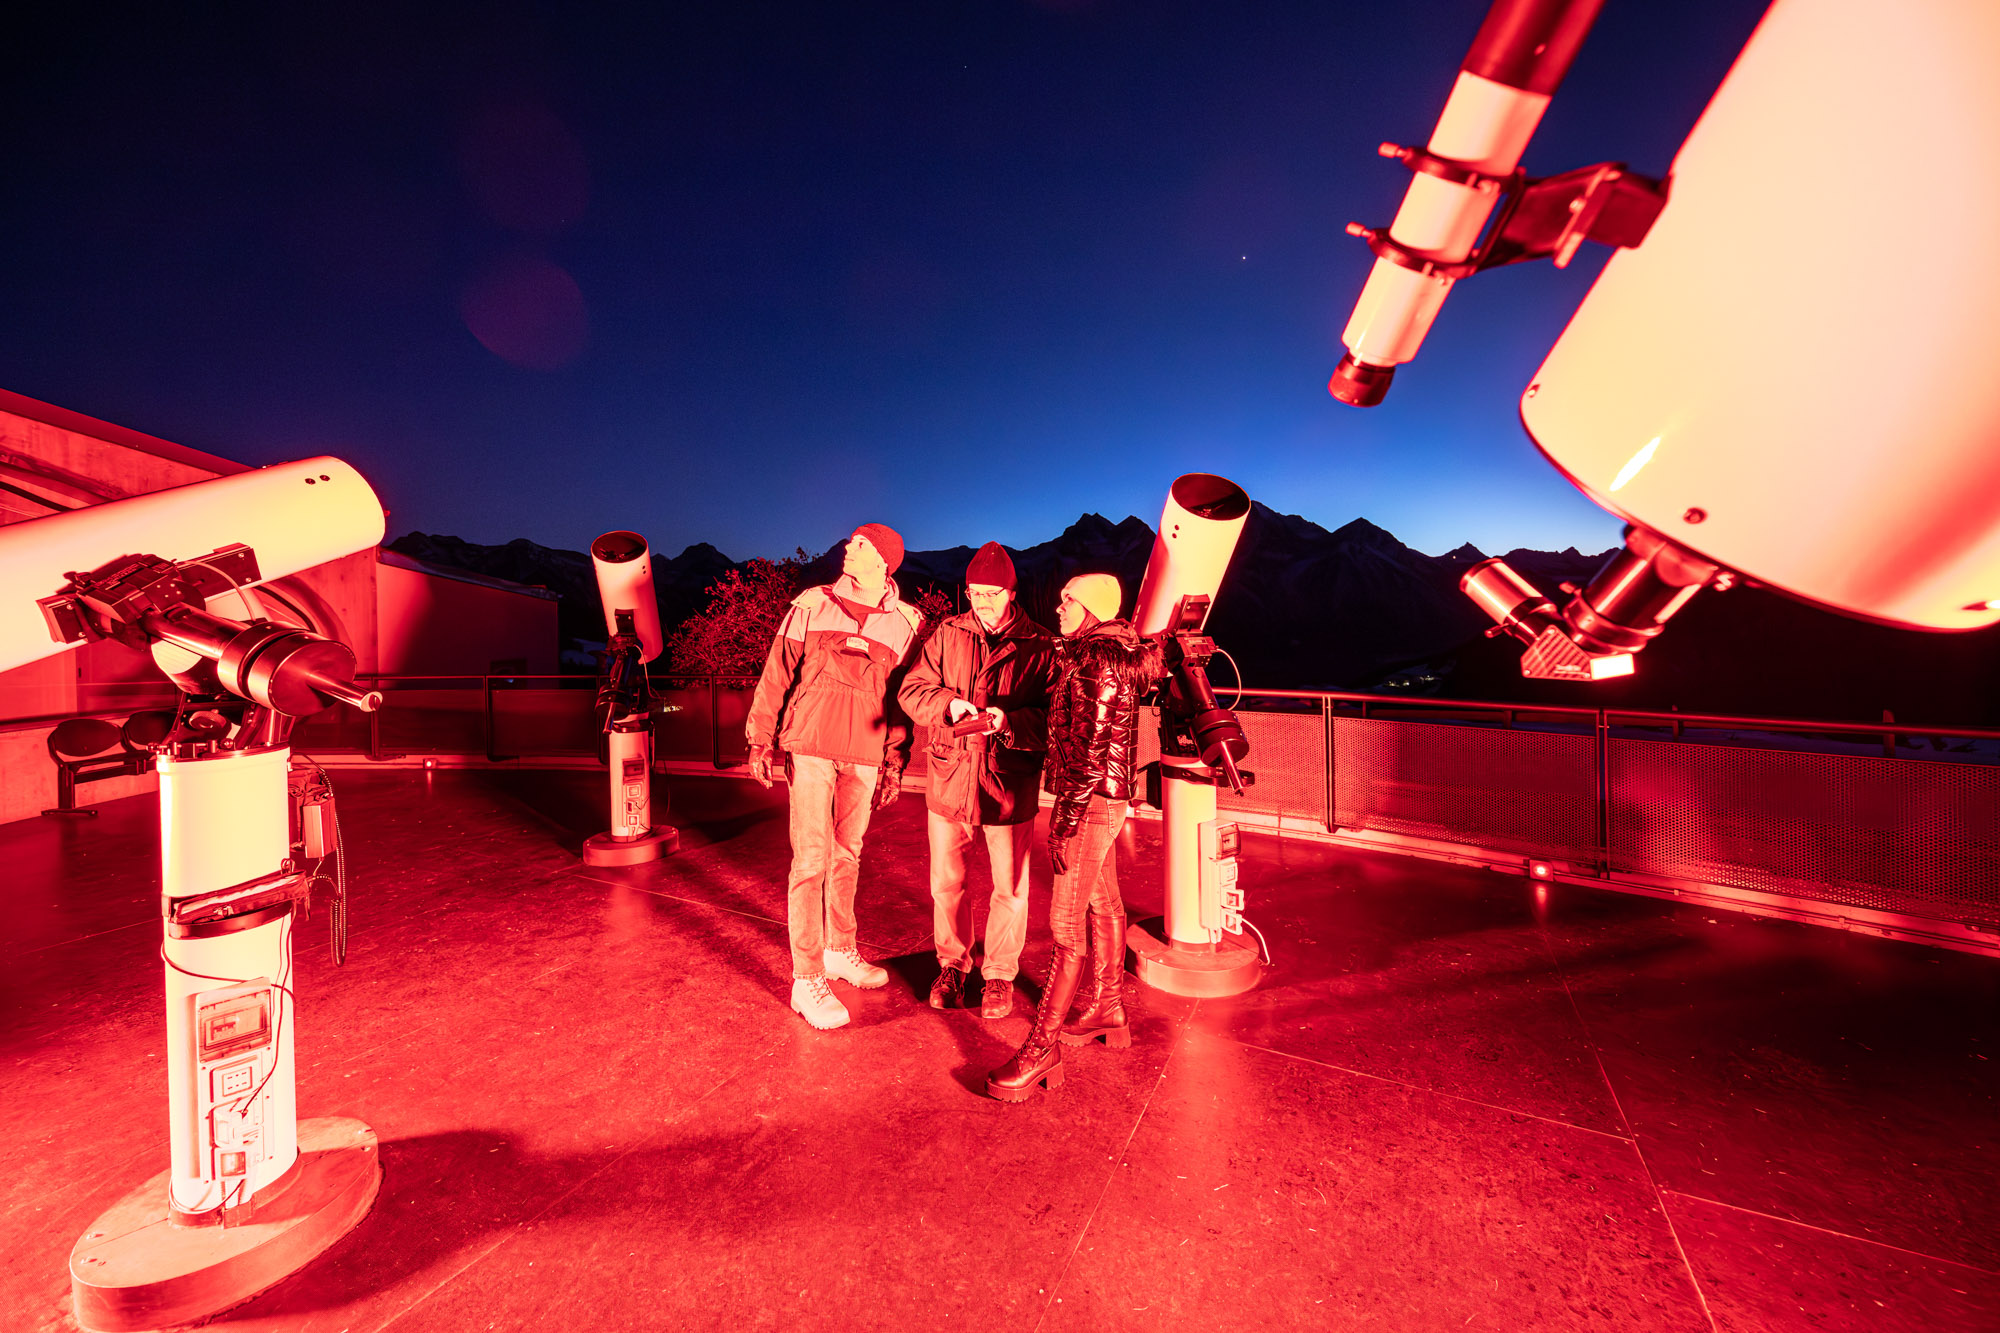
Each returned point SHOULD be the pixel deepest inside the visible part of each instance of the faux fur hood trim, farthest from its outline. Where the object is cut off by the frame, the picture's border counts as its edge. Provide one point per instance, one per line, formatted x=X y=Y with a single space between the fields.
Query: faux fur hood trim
x=1114 y=646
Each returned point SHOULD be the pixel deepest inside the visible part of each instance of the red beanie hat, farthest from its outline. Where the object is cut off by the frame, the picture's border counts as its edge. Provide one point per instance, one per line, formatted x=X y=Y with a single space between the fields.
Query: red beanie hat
x=991 y=567
x=887 y=542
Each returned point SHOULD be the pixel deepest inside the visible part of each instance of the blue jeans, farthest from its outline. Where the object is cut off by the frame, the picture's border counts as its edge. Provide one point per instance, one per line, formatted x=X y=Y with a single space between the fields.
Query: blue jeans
x=1090 y=885
x=1007 y=912
x=831 y=802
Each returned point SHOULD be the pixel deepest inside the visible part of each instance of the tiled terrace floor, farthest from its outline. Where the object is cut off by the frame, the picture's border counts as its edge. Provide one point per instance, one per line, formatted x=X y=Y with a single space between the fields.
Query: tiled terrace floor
x=1446 y=1107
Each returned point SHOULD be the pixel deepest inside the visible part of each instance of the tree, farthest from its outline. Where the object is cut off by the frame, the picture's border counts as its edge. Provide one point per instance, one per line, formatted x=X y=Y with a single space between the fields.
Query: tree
x=745 y=608
x=935 y=607
x=732 y=635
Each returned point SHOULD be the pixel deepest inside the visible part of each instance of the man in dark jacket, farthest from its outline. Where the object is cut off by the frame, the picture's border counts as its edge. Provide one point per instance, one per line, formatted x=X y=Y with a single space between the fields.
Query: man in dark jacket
x=826 y=699
x=996 y=661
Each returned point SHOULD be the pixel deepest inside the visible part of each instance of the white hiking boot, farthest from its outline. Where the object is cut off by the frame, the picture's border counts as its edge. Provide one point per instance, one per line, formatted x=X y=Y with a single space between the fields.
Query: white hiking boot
x=815 y=1002
x=848 y=965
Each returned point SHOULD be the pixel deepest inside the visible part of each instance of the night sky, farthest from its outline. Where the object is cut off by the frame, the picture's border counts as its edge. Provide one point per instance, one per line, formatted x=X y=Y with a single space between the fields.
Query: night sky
x=751 y=274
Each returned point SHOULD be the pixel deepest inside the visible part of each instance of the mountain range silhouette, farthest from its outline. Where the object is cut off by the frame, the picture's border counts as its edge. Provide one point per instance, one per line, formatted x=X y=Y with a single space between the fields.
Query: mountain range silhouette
x=1355 y=609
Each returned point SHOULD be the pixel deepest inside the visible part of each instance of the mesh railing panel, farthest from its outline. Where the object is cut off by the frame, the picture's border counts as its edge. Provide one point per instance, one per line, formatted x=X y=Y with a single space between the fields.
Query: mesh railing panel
x=1906 y=836
x=1287 y=753
x=1896 y=835
x=447 y=717
x=553 y=719
x=1531 y=792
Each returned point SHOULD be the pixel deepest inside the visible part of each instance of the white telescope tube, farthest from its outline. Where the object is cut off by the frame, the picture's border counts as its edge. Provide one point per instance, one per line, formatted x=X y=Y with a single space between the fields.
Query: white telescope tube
x=624 y=565
x=1199 y=529
x=293 y=515
x=1776 y=381
x=1518 y=58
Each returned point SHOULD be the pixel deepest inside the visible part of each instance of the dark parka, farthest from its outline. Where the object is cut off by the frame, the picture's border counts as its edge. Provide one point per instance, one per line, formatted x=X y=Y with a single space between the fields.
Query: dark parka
x=990 y=779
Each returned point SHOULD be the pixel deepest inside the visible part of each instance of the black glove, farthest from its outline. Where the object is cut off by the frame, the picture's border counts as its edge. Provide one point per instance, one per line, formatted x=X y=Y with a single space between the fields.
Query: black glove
x=888 y=786
x=1058 y=851
x=760 y=764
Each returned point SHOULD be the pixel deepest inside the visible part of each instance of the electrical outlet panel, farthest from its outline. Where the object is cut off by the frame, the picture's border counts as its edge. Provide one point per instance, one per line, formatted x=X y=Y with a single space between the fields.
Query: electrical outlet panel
x=235 y=1042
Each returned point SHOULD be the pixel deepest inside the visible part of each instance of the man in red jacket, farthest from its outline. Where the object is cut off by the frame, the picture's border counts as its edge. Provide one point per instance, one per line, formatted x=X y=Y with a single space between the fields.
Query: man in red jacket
x=826 y=700
x=996 y=661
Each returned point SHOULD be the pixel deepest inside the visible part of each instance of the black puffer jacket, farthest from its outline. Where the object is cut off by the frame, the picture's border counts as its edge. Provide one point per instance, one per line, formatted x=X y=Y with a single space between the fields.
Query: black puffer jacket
x=1094 y=719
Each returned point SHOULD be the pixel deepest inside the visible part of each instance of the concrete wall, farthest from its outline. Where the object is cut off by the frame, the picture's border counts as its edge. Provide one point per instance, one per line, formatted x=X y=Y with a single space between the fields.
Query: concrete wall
x=434 y=625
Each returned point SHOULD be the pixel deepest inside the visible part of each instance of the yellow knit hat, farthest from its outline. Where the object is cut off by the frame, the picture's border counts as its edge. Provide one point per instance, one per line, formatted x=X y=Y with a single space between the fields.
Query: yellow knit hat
x=1099 y=593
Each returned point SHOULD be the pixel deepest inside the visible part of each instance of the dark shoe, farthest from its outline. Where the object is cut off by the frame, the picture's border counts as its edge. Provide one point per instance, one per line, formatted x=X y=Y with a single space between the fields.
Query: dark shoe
x=1101 y=1012
x=1040 y=1058
x=948 y=991
x=996 y=998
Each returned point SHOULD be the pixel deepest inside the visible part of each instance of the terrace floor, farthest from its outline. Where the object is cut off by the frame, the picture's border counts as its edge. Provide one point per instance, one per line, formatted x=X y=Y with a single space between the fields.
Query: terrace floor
x=1447 y=1106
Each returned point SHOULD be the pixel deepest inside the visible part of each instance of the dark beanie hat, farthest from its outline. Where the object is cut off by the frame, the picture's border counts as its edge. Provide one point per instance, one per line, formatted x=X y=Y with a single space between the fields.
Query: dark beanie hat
x=991 y=567
x=886 y=541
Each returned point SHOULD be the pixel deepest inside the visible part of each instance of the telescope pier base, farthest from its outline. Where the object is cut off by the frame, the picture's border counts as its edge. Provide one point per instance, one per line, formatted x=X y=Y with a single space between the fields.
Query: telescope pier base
x=602 y=849
x=1198 y=971
x=134 y=1268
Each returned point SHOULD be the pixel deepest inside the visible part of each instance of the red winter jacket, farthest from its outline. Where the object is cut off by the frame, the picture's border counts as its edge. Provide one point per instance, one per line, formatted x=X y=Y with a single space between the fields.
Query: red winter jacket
x=828 y=684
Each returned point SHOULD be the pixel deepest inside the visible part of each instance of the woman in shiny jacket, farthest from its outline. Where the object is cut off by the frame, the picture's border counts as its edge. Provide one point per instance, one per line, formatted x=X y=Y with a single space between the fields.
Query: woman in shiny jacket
x=1103 y=668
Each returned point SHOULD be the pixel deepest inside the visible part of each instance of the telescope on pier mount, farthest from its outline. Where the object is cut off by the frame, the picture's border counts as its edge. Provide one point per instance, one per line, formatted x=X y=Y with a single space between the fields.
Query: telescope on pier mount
x=251 y=1192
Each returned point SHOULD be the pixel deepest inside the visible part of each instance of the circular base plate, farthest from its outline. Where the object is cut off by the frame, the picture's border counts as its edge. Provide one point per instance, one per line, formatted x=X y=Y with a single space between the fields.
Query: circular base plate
x=134 y=1269
x=601 y=849
x=1203 y=974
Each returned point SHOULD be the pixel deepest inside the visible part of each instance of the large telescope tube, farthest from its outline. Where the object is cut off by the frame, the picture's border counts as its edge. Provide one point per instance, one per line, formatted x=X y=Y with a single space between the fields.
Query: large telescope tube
x=1504 y=84
x=1773 y=382
x=293 y=515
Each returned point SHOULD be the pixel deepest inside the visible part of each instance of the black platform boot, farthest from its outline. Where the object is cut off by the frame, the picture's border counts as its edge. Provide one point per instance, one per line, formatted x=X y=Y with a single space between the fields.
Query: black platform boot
x=1101 y=1011
x=1040 y=1058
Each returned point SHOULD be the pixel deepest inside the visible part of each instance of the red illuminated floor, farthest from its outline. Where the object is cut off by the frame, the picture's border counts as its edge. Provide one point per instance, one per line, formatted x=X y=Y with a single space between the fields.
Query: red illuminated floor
x=1442 y=1109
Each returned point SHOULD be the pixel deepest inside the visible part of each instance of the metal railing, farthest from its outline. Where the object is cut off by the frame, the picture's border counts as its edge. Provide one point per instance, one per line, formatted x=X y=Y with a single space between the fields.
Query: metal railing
x=1879 y=826
x=699 y=718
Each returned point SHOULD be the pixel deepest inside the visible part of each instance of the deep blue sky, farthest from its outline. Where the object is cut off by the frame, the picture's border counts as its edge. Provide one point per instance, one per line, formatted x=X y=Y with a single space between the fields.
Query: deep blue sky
x=966 y=267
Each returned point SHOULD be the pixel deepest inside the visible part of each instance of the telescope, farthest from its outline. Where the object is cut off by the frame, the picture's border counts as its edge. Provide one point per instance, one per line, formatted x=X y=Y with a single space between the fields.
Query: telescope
x=624 y=567
x=1762 y=383
x=245 y=841
x=1202 y=746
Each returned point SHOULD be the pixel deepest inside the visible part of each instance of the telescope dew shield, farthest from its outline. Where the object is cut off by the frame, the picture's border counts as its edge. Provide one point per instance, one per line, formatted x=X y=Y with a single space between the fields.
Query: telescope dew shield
x=1199 y=528
x=294 y=515
x=624 y=566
